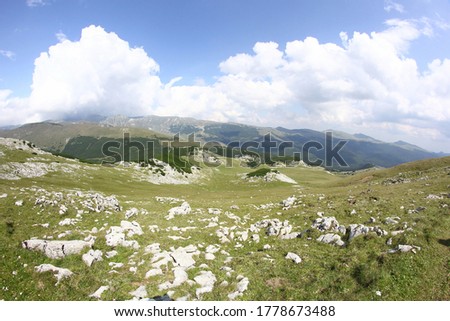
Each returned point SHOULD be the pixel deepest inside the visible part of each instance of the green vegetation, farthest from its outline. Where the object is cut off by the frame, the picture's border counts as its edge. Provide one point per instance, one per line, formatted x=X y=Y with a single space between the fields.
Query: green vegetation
x=354 y=272
x=261 y=172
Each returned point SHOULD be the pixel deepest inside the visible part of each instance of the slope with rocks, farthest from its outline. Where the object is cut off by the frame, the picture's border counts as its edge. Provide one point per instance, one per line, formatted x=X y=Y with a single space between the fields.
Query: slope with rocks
x=96 y=232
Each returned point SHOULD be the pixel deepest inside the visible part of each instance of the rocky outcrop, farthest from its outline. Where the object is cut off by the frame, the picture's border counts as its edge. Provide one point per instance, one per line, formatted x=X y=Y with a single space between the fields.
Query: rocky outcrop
x=56 y=249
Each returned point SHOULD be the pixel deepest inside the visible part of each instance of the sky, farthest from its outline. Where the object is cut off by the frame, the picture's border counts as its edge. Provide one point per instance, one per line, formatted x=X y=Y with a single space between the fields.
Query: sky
x=378 y=67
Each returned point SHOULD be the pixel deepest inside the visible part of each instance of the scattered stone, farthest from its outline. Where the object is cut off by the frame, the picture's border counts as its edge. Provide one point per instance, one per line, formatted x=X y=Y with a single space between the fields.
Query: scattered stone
x=214 y=211
x=131 y=227
x=206 y=280
x=92 y=256
x=111 y=254
x=392 y=220
x=140 y=292
x=234 y=207
x=434 y=197
x=19 y=203
x=68 y=221
x=152 y=248
x=183 y=256
x=97 y=294
x=59 y=273
x=326 y=224
x=210 y=256
x=131 y=212
x=331 y=238
x=359 y=229
x=255 y=238
x=180 y=276
x=171 y=200
x=116 y=237
x=241 y=287
x=267 y=247
x=289 y=202
x=405 y=248
x=56 y=249
x=153 y=272
x=115 y=265
x=294 y=257
x=183 y=209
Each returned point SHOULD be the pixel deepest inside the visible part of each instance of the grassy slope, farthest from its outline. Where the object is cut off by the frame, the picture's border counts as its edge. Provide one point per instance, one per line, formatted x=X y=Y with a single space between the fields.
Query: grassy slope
x=326 y=273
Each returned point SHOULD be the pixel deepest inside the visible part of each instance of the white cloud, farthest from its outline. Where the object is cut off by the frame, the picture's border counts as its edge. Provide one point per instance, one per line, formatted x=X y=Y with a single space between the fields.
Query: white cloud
x=100 y=73
x=390 y=5
x=36 y=3
x=366 y=84
x=8 y=54
x=61 y=36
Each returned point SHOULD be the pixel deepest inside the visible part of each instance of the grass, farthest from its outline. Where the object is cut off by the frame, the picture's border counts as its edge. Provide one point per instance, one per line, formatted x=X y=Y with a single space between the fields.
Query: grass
x=354 y=272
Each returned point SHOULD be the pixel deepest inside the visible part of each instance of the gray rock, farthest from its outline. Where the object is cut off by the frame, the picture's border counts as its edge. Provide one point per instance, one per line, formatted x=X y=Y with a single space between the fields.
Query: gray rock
x=59 y=273
x=206 y=280
x=131 y=212
x=405 y=248
x=180 y=277
x=140 y=292
x=97 y=294
x=331 y=238
x=326 y=224
x=241 y=287
x=56 y=249
x=356 y=230
x=392 y=220
x=183 y=209
x=294 y=257
x=92 y=256
x=153 y=272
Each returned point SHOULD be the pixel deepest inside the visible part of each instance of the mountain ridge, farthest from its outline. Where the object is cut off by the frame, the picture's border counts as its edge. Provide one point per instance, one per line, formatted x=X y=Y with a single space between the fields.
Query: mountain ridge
x=360 y=151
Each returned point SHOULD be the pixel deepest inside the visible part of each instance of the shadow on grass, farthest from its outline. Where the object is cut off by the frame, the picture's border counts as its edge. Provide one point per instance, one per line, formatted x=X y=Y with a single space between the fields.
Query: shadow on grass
x=445 y=242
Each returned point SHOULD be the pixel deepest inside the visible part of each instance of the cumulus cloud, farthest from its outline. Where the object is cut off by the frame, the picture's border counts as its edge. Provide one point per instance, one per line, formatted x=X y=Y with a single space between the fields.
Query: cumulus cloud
x=100 y=73
x=367 y=83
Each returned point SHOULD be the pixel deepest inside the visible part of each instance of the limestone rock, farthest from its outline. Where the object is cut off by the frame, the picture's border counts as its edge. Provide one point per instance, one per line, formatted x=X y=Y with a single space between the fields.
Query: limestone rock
x=59 y=273
x=131 y=212
x=206 y=280
x=241 y=287
x=92 y=256
x=405 y=248
x=97 y=294
x=56 y=249
x=326 y=224
x=153 y=272
x=331 y=238
x=183 y=209
x=294 y=257
x=140 y=292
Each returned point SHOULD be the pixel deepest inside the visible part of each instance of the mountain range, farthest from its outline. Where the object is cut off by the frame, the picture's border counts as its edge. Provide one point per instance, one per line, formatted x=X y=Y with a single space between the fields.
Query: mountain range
x=84 y=140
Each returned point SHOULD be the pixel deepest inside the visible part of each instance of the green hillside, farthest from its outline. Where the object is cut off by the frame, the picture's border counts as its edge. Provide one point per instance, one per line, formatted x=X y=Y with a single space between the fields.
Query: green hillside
x=57 y=199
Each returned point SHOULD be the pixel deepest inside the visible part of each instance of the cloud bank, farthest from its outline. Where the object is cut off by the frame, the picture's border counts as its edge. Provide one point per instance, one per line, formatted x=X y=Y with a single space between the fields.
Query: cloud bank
x=366 y=83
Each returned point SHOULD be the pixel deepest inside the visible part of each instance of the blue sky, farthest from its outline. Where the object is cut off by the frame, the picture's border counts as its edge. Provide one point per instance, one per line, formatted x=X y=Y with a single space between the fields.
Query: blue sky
x=357 y=66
